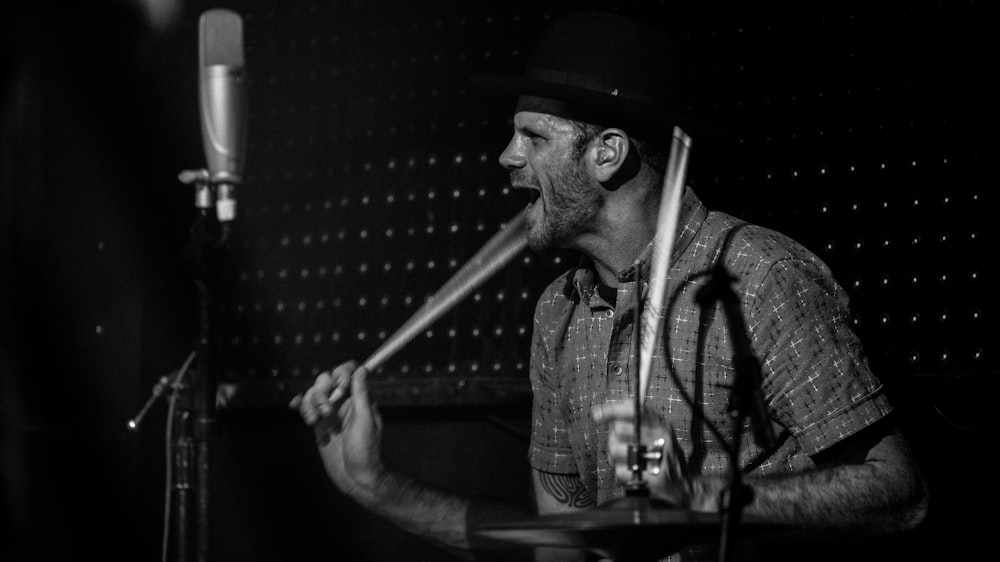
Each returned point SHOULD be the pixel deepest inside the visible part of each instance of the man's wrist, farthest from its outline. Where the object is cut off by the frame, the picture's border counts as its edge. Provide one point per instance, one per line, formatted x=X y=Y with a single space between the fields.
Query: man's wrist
x=373 y=486
x=705 y=494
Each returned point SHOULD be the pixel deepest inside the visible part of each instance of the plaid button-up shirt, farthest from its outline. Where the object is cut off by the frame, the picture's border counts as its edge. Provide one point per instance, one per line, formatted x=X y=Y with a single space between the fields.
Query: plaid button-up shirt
x=816 y=382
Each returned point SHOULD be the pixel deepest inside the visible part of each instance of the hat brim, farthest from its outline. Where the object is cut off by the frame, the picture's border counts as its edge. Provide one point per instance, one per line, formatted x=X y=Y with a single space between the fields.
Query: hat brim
x=601 y=108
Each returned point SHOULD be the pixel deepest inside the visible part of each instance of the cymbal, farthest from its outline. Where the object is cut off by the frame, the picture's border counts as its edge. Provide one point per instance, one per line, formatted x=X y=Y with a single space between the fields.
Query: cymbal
x=627 y=529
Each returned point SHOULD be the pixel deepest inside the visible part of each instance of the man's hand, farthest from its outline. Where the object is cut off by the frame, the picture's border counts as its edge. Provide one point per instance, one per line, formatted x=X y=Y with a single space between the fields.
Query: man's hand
x=668 y=479
x=349 y=435
x=347 y=425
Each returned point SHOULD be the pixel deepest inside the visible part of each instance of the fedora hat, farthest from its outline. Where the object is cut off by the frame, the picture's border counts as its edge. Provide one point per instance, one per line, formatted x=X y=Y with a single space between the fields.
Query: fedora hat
x=601 y=68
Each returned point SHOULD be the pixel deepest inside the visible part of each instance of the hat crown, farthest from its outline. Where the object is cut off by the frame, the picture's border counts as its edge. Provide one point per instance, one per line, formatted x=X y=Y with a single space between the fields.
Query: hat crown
x=607 y=53
x=602 y=68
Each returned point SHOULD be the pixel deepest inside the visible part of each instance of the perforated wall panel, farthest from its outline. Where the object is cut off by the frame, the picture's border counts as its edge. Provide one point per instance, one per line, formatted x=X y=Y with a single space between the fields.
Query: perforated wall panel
x=372 y=177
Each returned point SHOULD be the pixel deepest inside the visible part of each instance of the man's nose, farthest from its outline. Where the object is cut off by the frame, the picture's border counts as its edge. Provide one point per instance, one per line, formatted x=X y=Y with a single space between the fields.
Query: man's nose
x=512 y=158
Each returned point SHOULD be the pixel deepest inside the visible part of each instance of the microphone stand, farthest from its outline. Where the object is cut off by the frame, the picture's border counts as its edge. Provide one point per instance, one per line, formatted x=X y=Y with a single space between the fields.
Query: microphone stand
x=744 y=400
x=192 y=445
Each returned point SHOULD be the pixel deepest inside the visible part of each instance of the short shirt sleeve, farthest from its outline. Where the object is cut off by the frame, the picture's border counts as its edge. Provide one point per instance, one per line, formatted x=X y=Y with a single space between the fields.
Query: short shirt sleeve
x=815 y=376
x=550 y=449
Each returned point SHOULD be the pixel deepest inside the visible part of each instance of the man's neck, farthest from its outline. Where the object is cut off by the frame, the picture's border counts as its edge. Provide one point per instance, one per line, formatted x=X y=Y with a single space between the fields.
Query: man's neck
x=627 y=224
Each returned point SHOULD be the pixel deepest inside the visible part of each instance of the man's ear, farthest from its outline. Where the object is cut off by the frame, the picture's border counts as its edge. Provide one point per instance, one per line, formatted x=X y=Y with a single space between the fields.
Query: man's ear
x=610 y=152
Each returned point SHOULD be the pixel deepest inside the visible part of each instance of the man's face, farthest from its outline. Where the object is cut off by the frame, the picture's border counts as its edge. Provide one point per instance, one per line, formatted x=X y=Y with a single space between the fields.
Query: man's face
x=540 y=156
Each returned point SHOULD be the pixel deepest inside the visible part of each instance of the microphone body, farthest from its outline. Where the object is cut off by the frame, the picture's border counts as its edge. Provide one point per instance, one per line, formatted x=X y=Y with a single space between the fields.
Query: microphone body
x=222 y=100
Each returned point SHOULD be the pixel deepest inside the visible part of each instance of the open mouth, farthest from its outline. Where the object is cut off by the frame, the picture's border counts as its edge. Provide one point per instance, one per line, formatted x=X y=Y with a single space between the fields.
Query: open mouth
x=532 y=193
x=533 y=196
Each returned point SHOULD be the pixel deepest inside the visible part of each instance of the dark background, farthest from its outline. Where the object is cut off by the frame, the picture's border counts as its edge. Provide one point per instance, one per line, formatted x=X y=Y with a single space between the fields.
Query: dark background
x=858 y=129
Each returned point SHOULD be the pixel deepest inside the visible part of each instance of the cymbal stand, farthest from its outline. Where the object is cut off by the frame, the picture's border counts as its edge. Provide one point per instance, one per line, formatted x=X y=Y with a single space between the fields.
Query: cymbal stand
x=638 y=454
x=638 y=500
x=644 y=338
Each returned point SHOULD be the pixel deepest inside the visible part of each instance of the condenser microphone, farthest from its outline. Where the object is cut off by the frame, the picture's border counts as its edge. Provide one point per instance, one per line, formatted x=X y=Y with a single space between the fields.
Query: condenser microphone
x=222 y=97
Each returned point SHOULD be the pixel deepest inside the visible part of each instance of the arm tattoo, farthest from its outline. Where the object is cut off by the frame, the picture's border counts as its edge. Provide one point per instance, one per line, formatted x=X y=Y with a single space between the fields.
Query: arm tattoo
x=567 y=489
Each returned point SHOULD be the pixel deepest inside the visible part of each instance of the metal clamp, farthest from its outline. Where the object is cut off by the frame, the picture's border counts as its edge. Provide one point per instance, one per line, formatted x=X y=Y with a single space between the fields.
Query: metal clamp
x=640 y=458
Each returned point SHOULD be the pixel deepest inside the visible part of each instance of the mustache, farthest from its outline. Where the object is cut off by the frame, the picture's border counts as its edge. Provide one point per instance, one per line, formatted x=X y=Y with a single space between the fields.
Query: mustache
x=524 y=178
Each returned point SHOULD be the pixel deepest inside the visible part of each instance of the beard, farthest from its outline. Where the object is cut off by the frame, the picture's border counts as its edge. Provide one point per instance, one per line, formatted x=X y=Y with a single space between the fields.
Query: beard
x=568 y=207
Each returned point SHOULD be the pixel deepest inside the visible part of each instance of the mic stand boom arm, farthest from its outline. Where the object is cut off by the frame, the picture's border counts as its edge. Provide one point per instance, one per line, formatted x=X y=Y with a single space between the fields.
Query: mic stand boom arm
x=744 y=399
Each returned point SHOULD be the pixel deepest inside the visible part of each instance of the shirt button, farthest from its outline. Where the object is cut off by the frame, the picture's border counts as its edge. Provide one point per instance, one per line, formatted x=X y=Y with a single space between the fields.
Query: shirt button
x=618 y=370
x=609 y=314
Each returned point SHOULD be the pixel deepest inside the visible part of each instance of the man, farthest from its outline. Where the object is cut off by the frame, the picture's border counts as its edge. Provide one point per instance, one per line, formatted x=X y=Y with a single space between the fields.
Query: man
x=591 y=128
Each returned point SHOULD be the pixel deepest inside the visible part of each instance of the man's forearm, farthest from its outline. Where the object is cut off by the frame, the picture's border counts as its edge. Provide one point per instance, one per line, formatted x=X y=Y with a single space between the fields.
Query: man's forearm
x=855 y=498
x=433 y=514
x=880 y=495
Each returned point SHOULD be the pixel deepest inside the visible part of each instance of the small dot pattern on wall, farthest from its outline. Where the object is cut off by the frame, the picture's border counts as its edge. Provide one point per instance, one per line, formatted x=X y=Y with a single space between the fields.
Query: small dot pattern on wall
x=372 y=177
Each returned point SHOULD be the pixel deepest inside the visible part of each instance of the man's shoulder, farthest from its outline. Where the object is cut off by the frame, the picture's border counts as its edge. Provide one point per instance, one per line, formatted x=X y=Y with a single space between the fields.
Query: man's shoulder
x=752 y=251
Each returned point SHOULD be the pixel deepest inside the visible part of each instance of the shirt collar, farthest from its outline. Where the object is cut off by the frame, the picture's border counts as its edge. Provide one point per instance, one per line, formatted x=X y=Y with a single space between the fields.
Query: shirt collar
x=583 y=281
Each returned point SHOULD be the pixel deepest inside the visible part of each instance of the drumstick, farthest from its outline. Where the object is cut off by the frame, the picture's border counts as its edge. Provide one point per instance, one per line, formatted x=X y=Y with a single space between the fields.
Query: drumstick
x=494 y=255
x=666 y=227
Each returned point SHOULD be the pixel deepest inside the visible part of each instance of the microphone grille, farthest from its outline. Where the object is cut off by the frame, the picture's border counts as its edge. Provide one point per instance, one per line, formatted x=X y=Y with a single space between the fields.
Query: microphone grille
x=221 y=38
